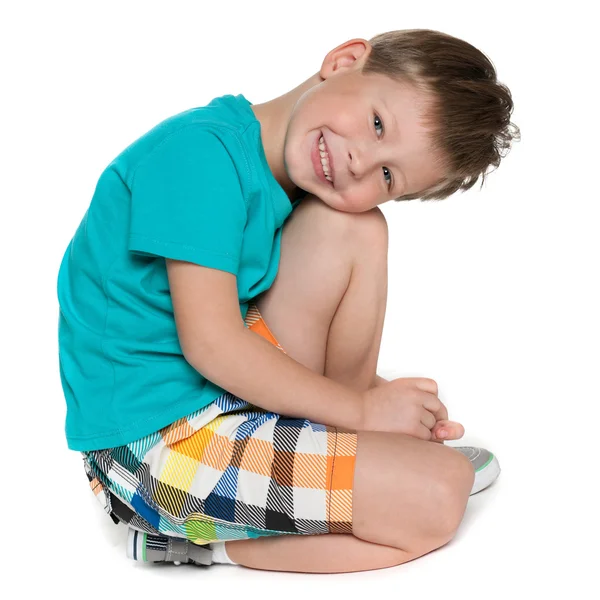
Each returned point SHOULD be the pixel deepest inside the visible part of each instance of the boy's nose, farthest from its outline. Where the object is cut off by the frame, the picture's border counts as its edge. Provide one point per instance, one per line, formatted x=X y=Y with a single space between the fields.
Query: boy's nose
x=360 y=161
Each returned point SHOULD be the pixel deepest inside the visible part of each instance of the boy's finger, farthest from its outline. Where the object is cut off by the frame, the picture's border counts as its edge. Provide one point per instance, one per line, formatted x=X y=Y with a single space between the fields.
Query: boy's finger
x=442 y=412
x=453 y=430
x=436 y=407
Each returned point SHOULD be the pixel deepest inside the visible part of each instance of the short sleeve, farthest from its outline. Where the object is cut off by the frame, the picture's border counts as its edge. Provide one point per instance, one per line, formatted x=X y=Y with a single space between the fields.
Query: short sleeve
x=187 y=202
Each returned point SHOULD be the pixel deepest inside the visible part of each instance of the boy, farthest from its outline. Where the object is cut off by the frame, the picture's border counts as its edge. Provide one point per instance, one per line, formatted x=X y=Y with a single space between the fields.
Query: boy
x=215 y=445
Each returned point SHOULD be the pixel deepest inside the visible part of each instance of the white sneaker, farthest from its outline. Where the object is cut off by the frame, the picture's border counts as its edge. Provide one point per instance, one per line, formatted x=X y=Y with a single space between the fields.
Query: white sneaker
x=146 y=547
x=485 y=464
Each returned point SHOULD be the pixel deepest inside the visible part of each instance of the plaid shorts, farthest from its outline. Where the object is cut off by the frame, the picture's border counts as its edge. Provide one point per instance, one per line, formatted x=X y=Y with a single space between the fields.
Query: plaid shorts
x=230 y=471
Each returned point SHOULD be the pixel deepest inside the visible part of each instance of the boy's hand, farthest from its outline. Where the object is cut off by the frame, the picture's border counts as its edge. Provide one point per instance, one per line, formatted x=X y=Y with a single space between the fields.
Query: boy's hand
x=452 y=429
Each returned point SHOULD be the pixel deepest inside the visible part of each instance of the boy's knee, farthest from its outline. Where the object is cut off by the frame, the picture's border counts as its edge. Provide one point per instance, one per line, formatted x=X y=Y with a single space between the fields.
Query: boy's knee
x=448 y=490
x=322 y=220
x=367 y=231
x=372 y=226
x=454 y=491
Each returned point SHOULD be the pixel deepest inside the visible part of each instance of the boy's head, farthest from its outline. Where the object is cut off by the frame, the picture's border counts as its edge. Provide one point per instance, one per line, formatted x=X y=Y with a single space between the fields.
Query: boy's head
x=417 y=109
x=470 y=117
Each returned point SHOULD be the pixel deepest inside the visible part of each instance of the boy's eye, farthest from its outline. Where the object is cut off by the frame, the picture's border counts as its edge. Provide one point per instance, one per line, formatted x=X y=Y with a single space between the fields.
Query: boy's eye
x=380 y=121
x=391 y=181
x=385 y=177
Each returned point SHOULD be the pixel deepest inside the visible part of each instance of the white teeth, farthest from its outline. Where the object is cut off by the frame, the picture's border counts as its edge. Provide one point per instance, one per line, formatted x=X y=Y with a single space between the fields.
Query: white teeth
x=324 y=159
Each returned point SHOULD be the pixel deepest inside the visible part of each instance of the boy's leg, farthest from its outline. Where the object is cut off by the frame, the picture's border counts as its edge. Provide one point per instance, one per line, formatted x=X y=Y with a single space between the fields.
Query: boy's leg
x=327 y=304
x=409 y=497
x=326 y=308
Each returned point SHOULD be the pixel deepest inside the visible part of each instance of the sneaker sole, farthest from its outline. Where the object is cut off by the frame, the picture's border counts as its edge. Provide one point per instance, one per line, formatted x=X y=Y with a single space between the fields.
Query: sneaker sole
x=136 y=545
x=486 y=475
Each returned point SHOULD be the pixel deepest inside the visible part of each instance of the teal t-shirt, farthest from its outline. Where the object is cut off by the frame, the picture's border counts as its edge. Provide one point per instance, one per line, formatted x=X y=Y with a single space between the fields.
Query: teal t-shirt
x=198 y=188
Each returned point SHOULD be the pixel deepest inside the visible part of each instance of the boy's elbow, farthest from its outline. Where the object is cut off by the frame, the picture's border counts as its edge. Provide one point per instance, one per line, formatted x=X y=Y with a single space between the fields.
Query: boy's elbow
x=209 y=356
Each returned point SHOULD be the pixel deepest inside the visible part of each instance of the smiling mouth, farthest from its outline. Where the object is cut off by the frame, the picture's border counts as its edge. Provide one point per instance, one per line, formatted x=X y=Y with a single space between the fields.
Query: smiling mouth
x=325 y=159
x=319 y=153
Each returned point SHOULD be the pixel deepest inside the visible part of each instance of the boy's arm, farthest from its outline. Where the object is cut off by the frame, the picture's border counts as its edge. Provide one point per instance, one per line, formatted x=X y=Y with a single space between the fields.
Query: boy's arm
x=247 y=365
x=216 y=343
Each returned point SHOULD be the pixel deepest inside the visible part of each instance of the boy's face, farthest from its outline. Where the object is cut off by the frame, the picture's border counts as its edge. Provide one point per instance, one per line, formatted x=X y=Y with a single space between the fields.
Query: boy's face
x=372 y=134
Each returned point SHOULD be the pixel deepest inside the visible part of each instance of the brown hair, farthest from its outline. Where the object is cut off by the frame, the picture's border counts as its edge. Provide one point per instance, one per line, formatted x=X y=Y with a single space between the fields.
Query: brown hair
x=469 y=109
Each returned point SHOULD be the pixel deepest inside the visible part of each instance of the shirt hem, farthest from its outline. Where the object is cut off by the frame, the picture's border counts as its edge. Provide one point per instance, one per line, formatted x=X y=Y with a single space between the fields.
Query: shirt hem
x=84 y=443
x=172 y=250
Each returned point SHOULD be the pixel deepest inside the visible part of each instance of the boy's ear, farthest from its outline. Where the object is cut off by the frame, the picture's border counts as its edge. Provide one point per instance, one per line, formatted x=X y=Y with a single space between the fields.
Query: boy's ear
x=349 y=55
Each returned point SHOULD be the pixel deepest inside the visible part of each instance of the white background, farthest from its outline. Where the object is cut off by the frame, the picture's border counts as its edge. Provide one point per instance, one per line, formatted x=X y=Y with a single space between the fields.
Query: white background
x=492 y=293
